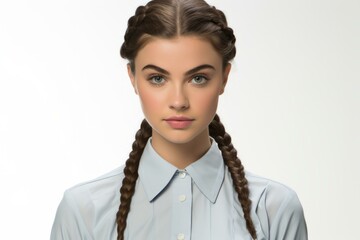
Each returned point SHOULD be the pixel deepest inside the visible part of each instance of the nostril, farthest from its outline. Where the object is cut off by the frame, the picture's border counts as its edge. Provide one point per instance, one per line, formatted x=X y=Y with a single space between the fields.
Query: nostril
x=179 y=101
x=179 y=107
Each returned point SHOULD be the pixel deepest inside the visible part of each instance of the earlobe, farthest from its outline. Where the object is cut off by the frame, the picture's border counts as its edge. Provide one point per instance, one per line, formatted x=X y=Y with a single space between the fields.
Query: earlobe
x=225 y=77
x=132 y=77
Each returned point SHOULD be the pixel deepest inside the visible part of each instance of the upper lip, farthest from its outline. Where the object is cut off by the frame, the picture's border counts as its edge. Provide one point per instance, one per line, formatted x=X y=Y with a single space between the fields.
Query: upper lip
x=178 y=118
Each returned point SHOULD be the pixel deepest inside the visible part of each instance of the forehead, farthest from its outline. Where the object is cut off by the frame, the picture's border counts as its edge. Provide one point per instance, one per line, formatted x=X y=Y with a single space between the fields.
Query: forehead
x=180 y=53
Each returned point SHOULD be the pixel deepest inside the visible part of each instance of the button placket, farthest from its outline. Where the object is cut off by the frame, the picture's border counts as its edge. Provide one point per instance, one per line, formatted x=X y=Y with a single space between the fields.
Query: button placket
x=181 y=208
x=182 y=198
x=182 y=175
x=180 y=236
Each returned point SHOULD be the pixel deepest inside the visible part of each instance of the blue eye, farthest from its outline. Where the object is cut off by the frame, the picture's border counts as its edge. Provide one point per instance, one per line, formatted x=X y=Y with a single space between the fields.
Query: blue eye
x=199 y=80
x=157 y=80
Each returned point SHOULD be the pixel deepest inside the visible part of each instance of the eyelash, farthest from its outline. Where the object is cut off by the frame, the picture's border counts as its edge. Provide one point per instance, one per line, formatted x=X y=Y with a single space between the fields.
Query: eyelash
x=152 y=80
x=204 y=79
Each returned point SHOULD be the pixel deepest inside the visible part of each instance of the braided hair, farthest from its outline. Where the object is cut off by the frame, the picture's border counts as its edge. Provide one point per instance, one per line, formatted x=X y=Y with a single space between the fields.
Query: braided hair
x=131 y=174
x=168 y=19
x=236 y=169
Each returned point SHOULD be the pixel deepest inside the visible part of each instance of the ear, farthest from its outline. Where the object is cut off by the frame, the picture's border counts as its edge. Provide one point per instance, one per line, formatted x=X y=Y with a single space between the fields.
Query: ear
x=225 y=77
x=132 y=77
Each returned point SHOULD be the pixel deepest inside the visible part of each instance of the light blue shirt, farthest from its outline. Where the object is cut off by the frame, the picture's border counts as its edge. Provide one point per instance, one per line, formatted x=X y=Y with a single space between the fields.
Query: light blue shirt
x=196 y=203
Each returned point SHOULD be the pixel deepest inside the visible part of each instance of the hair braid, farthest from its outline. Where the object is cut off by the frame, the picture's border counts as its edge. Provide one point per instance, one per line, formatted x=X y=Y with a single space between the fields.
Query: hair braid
x=131 y=32
x=229 y=153
x=131 y=174
x=135 y=21
x=228 y=37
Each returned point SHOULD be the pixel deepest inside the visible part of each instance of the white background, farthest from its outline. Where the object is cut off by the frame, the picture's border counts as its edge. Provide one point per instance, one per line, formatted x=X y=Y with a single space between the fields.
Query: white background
x=68 y=112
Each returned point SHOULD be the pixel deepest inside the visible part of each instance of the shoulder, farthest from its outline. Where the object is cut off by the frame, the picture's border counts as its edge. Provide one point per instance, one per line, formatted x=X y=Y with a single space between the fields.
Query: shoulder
x=263 y=187
x=106 y=185
x=100 y=185
x=94 y=193
x=273 y=194
x=86 y=204
x=277 y=207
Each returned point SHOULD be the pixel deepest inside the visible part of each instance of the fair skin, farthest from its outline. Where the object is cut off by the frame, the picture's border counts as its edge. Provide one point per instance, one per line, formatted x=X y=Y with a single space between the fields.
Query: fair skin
x=179 y=81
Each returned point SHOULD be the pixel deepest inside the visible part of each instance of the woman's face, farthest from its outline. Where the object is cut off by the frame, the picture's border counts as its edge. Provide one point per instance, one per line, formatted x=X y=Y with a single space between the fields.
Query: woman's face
x=178 y=82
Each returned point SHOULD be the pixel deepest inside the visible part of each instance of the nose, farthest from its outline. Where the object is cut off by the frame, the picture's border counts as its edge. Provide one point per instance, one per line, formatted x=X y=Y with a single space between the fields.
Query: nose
x=178 y=99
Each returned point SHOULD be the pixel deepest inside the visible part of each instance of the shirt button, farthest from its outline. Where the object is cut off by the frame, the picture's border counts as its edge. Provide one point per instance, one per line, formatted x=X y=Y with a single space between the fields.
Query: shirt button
x=182 y=198
x=182 y=174
x=180 y=236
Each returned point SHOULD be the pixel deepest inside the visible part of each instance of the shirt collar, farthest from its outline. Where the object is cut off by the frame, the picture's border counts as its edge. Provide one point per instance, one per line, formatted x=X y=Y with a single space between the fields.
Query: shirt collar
x=207 y=172
x=154 y=172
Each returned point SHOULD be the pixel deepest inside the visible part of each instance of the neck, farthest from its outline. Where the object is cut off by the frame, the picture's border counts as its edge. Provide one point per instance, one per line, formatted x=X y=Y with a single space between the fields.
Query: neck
x=181 y=155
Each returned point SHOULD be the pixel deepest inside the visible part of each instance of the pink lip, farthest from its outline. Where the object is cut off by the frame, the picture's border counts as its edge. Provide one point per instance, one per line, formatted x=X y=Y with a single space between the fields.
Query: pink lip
x=179 y=122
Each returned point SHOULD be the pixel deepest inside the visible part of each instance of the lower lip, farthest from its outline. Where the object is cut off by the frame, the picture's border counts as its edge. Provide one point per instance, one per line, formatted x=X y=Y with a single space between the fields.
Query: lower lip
x=179 y=124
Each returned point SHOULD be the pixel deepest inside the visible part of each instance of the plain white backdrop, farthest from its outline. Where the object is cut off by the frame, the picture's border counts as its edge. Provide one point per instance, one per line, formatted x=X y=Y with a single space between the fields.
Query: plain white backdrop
x=69 y=114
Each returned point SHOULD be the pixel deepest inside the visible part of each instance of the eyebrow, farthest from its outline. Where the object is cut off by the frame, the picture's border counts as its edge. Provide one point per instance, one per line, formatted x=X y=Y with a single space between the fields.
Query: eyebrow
x=191 y=71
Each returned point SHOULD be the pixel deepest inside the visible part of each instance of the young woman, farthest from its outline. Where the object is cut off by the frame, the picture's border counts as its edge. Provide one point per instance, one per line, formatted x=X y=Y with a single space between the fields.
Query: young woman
x=183 y=179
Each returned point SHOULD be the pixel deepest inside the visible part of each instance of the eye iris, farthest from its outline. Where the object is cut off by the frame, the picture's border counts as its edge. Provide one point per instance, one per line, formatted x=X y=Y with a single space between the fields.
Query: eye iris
x=157 y=79
x=198 y=79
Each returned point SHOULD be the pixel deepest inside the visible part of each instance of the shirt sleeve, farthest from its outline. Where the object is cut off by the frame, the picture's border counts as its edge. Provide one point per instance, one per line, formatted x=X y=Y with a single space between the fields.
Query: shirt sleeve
x=68 y=223
x=286 y=216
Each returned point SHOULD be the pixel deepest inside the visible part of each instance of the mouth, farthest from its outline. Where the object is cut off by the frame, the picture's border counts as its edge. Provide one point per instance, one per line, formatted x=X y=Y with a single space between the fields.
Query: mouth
x=179 y=122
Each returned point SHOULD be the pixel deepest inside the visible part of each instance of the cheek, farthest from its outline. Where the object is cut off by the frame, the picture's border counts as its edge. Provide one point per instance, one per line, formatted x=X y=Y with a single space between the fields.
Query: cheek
x=207 y=103
x=150 y=101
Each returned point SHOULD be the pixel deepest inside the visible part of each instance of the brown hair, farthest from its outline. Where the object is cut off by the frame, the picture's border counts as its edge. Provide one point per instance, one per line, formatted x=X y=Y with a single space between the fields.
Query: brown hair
x=169 y=19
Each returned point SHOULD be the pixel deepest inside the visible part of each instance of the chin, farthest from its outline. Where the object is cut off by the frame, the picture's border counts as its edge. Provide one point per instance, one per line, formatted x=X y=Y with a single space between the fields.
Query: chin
x=180 y=139
x=183 y=136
